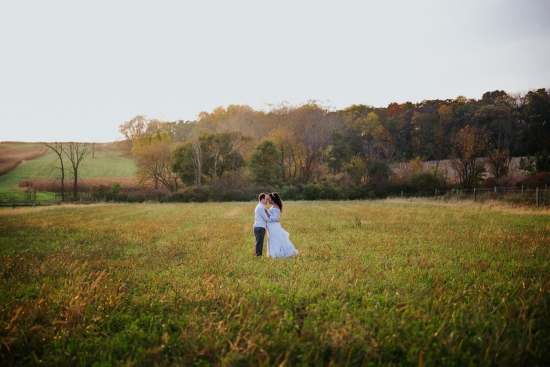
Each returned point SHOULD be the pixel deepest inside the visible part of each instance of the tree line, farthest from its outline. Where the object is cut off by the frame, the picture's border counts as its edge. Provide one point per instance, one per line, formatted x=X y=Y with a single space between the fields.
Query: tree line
x=348 y=151
x=311 y=143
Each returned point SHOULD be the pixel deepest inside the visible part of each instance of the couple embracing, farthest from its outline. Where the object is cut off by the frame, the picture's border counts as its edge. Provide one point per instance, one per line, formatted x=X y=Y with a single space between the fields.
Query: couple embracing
x=278 y=242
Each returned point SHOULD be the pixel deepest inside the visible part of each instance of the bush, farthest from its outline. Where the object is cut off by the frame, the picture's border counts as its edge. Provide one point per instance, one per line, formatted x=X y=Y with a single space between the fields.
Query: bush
x=538 y=180
x=330 y=192
x=311 y=191
x=380 y=187
x=290 y=193
x=231 y=194
x=358 y=193
x=489 y=182
x=192 y=194
x=423 y=182
x=379 y=169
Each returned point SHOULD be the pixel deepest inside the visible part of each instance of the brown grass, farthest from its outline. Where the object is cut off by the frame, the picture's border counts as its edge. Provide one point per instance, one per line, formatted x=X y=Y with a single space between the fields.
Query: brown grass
x=85 y=184
x=11 y=157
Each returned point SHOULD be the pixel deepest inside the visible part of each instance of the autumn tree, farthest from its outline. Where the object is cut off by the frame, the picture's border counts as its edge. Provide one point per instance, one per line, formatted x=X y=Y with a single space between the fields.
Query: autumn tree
x=312 y=126
x=153 y=156
x=290 y=152
x=134 y=127
x=469 y=145
x=76 y=152
x=498 y=162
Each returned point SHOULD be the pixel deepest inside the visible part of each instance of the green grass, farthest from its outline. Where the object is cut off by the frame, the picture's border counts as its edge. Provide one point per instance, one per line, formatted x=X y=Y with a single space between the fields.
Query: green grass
x=107 y=163
x=389 y=282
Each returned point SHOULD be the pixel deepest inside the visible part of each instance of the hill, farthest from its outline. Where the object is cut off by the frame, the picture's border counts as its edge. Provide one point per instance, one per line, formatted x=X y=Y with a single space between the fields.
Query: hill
x=106 y=163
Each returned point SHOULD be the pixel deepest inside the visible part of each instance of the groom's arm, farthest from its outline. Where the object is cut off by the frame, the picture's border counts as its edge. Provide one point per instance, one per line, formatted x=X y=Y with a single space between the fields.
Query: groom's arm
x=263 y=214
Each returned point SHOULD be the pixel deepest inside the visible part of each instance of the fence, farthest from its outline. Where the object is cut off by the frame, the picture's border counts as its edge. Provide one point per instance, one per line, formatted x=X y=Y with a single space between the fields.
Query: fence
x=529 y=196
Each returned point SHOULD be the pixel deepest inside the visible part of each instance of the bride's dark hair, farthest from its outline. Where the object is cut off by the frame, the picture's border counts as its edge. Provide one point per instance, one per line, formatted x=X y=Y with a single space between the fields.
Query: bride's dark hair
x=277 y=200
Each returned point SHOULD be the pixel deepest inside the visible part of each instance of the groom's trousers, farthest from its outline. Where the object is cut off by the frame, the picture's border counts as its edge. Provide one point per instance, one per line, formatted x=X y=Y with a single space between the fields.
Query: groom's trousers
x=259 y=233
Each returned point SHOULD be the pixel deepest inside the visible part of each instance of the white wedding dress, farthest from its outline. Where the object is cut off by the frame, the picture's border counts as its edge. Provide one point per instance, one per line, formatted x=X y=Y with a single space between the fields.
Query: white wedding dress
x=278 y=242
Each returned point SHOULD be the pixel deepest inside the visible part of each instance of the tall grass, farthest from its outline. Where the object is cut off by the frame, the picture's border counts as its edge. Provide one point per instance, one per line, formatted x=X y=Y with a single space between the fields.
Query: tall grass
x=84 y=185
x=376 y=283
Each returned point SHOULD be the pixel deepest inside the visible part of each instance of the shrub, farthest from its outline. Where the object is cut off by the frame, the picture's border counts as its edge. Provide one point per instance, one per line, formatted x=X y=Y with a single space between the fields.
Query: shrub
x=192 y=194
x=231 y=194
x=358 y=193
x=290 y=193
x=424 y=181
x=538 y=180
x=330 y=192
x=311 y=191
x=379 y=169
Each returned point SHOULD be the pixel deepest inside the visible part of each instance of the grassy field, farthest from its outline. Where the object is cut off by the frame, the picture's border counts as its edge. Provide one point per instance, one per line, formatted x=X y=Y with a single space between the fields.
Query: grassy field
x=376 y=283
x=107 y=163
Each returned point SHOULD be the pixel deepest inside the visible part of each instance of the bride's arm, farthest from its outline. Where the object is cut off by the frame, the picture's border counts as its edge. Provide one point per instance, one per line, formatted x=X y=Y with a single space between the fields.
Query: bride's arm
x=275 y=214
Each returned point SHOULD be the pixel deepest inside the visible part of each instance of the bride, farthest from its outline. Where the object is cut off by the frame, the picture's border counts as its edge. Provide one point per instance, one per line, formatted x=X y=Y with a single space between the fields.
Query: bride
x=278 y=242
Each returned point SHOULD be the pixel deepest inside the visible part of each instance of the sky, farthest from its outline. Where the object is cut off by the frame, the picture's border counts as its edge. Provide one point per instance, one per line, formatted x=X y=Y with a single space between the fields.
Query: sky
x=76 y=70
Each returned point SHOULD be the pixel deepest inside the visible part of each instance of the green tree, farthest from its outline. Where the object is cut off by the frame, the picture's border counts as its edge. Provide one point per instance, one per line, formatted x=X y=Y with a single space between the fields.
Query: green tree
x=337 y=152
x=220 y=153
x=356 y=169
x=537 y=115
x=379 y=170
x=187 y=163
x=264 y=163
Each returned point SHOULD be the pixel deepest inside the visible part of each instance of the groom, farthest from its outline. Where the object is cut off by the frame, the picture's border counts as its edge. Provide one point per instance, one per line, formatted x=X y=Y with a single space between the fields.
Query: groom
x=260 y=223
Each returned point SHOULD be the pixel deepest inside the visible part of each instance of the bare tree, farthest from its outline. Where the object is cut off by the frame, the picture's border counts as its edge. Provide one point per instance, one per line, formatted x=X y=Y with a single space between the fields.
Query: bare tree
x=58 y=149
x=76 y=152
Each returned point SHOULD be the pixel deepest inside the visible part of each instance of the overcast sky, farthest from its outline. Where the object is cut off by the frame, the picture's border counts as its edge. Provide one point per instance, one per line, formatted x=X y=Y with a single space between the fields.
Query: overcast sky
x=76 y=70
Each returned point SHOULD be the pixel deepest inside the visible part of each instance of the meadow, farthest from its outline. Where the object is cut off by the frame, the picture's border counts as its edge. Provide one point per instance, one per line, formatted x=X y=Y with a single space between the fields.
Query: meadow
x=389 y=282
x=106 y=164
